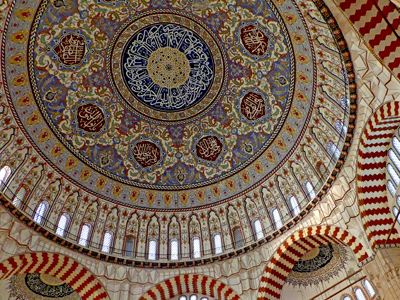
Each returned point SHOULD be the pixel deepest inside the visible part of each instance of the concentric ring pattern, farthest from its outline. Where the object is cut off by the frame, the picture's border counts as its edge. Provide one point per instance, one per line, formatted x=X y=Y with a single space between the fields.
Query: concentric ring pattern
x=225 y=108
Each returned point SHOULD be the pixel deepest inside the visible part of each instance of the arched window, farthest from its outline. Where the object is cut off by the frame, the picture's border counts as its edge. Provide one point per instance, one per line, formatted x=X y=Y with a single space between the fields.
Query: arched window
x=295 y=205
x=196 y=247
x=152 y=249
x=346 y=298
x=5 y=172
x=345 y=102
x=391 y=187
x=217 y=243
x=107 y=242
x=83 y=239
x=204 y=298
x=369 y=288
x=40 y=211
x=258 y=229
x=396 y=144
x=395 y=177
x=310 y=190
x=193 y=297
x=174 y=249
x=341 y=127
x=238 y=238
x=19 y=198
x=359 y=294
x=395 y=213
x=129 y=246
x=333 y=150
x=62 y=224
x=182 y=298
x=277 y=218
x=395 y=159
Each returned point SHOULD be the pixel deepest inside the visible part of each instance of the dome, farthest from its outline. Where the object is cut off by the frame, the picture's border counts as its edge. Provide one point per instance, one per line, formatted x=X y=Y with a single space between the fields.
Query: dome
x=173 y=131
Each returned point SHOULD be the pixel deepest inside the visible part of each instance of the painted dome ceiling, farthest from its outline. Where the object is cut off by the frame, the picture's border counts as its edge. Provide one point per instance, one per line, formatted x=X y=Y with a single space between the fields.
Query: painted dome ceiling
x=175 y=106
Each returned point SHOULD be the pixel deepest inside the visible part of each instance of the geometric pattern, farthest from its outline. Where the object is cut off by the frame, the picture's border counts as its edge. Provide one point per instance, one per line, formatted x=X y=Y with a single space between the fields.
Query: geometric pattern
x=379 y=24
x=59 y=266
x=295 y=247
x=190 y=284
x=371 y=174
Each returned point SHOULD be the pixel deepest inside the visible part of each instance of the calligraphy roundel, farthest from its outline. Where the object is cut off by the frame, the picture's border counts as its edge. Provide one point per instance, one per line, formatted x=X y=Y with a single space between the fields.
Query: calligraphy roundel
x=156 y=97
x=171 y=71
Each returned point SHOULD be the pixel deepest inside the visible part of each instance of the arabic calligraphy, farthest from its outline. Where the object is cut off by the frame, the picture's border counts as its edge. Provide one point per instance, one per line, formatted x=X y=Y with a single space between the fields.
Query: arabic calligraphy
x=168 y=67
x=146 y=153
x=253 y=106
x=71 y=49
x=254 y=40
x=209 y=148
x=90 y=118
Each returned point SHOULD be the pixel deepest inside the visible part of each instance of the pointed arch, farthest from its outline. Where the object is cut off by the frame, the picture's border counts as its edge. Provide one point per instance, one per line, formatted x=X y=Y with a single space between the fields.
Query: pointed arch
x=295 y=247
x=186 y=284
x=372 y=191
x=59 y=266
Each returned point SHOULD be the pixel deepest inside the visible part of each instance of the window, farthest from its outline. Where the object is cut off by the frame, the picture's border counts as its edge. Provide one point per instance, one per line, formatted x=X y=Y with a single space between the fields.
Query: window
x=204 y=298
x=333 y=150
x=345 y=102
x=258 y=229
x=193 y=297
x=277 y=218
x=83 y=239
x=346 y=298
x=396 y=144
x=238 y=238
x=217 y=243
x=107 y=242
x=369 y=288
x=19 y=198
x=395 y=212
x=62 y=224
x=152 y=249
x=295 y=205
x=341 y=127
x=398 y=200
x=391 y=187
x=174 y=249
x=182 y=298
x=40 y=211
x=310 y=190
x=395 y=159
x=359 y=294
x=129 y=246
x=196 y=247
x=5 y=172
x=393 y=174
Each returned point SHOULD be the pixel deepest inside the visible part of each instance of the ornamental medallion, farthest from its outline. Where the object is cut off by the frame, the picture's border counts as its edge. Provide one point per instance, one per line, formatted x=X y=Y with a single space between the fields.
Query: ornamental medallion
x=90 y=118
x=209 y=148
x=71 y=49
x=146 y=153
x=253 y=106
x=168 y=67
x=254 y=40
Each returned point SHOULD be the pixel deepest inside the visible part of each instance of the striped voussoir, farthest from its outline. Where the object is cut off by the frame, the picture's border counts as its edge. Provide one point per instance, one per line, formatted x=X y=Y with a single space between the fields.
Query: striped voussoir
x=378 y=21
x=295 y=247
x=371 y=175
x=59 y=266
x=190 y=284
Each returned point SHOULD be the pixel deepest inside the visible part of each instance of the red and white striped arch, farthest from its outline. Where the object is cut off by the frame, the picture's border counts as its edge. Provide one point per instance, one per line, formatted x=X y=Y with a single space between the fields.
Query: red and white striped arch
x=295 y=247
x=378 y=21
x=371 y=174
x=59 y=266
x=185 y=284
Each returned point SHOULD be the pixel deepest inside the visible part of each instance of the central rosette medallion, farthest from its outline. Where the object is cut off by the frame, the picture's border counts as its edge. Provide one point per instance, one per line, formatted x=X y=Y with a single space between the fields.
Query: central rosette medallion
x=170 y=71
x=168 y=67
